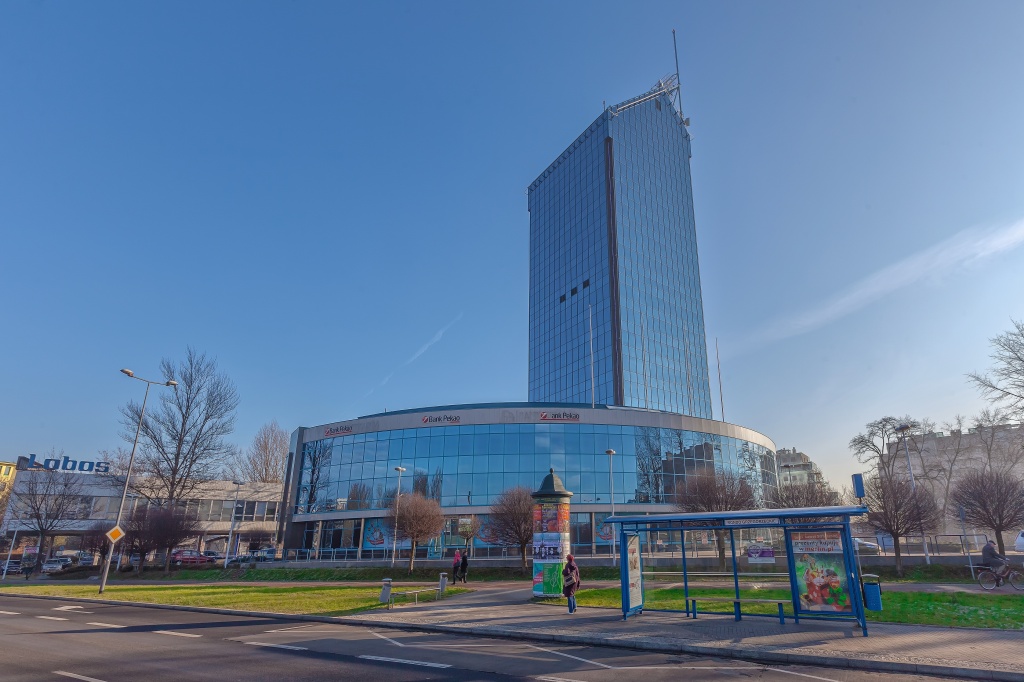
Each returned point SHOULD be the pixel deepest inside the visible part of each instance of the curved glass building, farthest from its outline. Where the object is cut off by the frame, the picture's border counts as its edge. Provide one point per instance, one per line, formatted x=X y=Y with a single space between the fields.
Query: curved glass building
x=343 y=475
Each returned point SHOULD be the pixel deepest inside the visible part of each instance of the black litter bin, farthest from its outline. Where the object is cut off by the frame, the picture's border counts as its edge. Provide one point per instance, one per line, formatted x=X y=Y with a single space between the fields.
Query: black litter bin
x=872 y=589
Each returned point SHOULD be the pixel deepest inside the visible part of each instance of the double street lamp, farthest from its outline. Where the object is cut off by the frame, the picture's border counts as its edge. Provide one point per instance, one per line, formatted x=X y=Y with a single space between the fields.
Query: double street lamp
x=904 y=430
x=128 y=474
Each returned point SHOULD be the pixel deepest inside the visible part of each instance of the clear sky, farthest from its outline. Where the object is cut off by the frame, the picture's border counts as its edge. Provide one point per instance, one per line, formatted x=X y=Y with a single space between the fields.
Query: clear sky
x=330 y=199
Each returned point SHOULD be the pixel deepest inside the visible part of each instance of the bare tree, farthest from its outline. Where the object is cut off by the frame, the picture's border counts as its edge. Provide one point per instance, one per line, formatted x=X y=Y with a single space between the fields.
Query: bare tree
x=264 y=461
x=900 y=509
x=469 y=531
x=709 y=491
x=511 y=520
x=171 y=526
x=48 y=501
x=991 y=500
x=419 y=519
x=814 y=493
x=360 y=496
x=94 y=540
x=952 y=457
x=874 y=446
x=182 y=444
x=650 y=485
x=1004 y=385
x=138 y=534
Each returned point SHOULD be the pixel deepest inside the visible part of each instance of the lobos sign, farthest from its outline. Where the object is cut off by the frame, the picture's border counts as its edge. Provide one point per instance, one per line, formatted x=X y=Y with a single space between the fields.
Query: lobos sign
x=81 y=466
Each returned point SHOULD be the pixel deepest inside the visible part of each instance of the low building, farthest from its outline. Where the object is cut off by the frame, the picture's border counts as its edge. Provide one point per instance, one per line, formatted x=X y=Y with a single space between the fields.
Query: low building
x=254 y=521
x=796 y=468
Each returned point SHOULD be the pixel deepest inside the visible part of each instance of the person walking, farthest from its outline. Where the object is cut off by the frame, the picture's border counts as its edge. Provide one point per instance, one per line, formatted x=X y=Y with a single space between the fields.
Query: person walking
x=456 y=566
x=464 y=566
x=571 y=581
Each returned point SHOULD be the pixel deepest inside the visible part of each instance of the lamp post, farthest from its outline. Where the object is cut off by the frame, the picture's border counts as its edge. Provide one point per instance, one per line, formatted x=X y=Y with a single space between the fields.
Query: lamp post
x=131 y=460
x=398 y=497
x=231 y=527
x=611 y=486
x=903 y=429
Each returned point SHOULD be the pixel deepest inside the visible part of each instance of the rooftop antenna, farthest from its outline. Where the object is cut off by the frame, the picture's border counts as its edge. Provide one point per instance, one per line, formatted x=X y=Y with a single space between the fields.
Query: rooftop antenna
x=679 y=83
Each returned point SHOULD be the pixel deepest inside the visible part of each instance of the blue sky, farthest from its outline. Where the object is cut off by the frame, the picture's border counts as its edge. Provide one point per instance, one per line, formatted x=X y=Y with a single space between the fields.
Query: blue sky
x=330 y=199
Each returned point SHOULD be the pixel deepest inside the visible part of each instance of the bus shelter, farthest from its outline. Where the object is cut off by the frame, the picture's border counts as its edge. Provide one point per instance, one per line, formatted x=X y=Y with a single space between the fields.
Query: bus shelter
x=824 y=579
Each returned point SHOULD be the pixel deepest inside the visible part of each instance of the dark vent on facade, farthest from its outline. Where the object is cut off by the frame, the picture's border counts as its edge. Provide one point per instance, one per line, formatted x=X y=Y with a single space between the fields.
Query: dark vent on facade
x=561 y=299
x=586 y=283
x=573 y=292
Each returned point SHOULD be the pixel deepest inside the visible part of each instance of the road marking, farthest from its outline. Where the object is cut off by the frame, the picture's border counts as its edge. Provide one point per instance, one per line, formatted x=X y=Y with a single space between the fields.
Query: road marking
x=791 y=672
x=10 y=613
x=385 y=659
x=106 y=625
x=71 y=608
x=76 y=677
x=577 y=658
x=51 y=618
x=278 y=646
x=297 y=627
x=176 y=634
x=377 y=634
x=557 y=679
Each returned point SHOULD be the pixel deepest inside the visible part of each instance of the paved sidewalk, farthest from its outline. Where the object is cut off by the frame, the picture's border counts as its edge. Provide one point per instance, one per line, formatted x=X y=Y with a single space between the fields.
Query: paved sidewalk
x=504 y=610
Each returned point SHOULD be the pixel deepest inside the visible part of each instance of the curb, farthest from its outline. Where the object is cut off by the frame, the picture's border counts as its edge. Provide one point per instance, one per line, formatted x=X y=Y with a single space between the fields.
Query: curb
x=752 y=655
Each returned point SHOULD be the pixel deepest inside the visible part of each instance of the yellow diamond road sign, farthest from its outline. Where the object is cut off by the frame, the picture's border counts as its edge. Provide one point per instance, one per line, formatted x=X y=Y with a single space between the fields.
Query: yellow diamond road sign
x=115 y=533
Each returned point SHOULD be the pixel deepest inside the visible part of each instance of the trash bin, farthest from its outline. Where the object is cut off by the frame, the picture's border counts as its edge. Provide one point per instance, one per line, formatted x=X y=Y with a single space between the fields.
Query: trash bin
x=872 y=589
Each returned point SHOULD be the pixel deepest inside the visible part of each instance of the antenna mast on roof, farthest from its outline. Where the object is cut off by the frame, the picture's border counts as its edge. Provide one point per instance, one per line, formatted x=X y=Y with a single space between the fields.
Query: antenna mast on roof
x=679 y=83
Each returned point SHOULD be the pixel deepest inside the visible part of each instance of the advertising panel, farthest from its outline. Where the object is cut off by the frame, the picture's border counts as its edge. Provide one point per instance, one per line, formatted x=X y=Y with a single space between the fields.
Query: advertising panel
x=760 y=554
x=820 y=571
x=550 y=546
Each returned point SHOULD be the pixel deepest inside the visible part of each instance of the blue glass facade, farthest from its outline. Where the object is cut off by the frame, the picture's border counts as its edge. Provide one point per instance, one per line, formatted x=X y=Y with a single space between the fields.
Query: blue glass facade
x=470 y=465
x=614 y=275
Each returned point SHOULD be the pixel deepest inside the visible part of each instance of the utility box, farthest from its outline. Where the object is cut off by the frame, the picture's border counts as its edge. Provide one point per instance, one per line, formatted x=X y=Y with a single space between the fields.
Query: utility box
x=442 y=585
x=385 y=591
x=872 y=592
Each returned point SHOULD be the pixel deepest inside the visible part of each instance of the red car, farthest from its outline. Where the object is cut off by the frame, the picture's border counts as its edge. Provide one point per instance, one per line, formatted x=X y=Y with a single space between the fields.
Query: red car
x=189 y=556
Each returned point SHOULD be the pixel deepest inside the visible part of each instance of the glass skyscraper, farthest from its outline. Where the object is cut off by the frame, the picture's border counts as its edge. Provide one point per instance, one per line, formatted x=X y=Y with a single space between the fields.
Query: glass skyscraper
x=614 y=278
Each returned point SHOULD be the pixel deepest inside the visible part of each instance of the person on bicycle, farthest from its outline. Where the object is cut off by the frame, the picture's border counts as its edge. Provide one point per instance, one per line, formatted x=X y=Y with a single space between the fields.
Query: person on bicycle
x=994 y=559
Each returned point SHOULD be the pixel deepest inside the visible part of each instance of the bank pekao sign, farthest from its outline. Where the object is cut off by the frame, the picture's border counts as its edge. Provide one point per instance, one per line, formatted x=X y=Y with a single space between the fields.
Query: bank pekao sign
x=80 y=466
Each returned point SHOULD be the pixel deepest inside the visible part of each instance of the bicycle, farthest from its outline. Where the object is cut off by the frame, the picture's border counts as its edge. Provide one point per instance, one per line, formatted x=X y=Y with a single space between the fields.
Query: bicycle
x=990 y=580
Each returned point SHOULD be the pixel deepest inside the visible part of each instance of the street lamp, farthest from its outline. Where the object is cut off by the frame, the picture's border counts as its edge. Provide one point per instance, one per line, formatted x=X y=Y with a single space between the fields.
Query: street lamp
x=611 y=485
x=398 y=497
x=131 y=460
x=231 y=528
x=903 y=430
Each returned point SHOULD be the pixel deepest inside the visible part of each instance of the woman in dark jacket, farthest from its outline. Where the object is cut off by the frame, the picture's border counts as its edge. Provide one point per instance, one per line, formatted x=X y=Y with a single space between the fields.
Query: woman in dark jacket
x=571 y=581
x=464 y=566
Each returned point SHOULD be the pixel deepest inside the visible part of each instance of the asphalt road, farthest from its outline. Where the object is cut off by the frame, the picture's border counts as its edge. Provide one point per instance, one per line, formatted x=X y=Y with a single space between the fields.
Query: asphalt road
x=65 y=640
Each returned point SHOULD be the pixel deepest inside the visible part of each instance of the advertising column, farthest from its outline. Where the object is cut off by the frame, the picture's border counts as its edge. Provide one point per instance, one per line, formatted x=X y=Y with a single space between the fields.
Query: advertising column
x=821 y=576
x=550 y=535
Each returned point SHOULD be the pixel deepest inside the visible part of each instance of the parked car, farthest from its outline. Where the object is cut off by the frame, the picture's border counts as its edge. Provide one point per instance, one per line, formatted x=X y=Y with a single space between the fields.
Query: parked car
x=251 y=557
x=14 y=566
x=216 y=556
x=65 y=561
x=53 y=566
x=1018 y=545
x=191 y=557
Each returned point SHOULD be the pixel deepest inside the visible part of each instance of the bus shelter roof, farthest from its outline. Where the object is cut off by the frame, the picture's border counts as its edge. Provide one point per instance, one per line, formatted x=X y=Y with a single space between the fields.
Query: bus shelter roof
x=739 y=516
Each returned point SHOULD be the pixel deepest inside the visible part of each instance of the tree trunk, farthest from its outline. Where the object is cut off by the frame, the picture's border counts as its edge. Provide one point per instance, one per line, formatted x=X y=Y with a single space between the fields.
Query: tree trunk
x=167 y=561
x=412 y=554
x=720 y=539
x=999 y=542
x=522 y=553
x=899 y=557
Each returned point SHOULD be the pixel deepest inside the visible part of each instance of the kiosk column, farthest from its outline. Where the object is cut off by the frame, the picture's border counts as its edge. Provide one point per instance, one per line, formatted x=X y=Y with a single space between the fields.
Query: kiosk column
x=550 y=535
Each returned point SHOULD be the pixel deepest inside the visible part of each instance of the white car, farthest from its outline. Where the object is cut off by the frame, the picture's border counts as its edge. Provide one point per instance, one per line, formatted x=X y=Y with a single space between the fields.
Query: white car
x=1018 y=545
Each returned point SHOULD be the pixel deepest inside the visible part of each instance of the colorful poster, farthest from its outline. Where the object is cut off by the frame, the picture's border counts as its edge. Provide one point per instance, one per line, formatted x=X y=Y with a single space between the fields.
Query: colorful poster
x=820 y=572
x=550 y=546
x=634 y=573
x=604 y=531
x=760 y=554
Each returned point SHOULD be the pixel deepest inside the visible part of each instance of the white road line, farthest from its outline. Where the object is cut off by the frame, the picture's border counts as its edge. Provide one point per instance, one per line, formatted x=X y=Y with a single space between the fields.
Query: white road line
x=10 y=613
x=455 y=646
x=176 y=634
x=76 y=677
x=791 y=672
x=377 y=634
x=278 y=646
x=576 y=658
x=297 y=627
x=71 y=608
x=557 y=679
x=385 y=659
x=51 y=618
x=106 y=625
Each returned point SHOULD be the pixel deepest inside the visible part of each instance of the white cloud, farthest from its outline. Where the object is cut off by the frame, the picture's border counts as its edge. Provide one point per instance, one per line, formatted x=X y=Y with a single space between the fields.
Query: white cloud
x=965 y=248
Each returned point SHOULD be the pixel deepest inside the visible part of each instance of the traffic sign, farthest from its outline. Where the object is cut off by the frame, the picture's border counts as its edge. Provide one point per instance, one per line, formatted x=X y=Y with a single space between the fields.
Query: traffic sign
x=115 y=533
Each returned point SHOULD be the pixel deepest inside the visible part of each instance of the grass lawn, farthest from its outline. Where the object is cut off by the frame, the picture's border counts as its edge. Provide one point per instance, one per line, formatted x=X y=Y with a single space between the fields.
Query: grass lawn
x=311 y=600
x=1001 y=610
